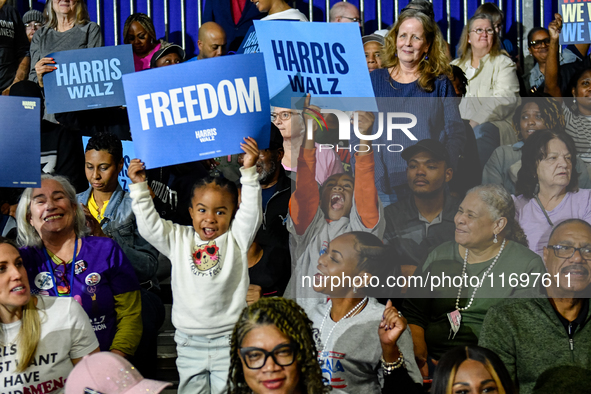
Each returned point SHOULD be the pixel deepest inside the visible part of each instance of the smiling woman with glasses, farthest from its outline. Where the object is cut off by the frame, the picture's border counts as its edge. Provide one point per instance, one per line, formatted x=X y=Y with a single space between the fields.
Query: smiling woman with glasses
x=272 y=350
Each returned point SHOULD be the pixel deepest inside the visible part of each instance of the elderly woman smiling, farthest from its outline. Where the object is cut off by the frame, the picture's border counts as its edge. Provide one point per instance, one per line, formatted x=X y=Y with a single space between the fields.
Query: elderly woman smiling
x=62 y=261
x=40 y=336
x=548 y=187
x=488 y=242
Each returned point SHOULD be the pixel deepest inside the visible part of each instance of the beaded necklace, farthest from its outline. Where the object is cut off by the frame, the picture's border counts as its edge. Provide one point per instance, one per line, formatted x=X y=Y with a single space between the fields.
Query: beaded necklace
x=455 y=317
x=355 y=309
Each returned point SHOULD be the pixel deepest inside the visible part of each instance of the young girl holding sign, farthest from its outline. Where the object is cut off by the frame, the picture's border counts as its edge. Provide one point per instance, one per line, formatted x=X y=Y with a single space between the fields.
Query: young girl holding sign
x=209 y=266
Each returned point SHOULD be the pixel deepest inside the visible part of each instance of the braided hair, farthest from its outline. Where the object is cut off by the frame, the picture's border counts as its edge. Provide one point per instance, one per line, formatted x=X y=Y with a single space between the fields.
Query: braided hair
x=550 y=111
x=289 y=318
x=145 y=21
x=500 y=204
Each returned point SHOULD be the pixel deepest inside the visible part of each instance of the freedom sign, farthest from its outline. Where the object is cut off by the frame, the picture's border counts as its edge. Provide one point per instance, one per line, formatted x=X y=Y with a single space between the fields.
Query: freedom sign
x=198 y=110
x=87 y=78
x=576 y=18
x=323 y=59
x=20 y=150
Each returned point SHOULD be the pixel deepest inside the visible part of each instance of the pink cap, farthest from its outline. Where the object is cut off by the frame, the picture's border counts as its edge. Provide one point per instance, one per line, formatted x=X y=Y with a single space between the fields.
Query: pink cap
x=109 y=373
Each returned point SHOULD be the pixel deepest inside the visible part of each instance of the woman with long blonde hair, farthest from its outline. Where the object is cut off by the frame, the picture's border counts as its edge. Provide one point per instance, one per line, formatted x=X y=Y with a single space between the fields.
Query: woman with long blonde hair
x=415 y=68
x=42 y=338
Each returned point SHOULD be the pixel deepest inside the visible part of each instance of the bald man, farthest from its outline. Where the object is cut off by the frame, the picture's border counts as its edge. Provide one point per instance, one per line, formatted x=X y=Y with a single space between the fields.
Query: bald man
x=344 y=12
x=212 y=41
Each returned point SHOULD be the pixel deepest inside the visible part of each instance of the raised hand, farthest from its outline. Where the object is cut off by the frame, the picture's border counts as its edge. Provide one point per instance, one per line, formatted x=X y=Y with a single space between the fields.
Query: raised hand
x=391 y=327
x=555 y=27
x=365 y=122
x=251 y=152
x=136 y=171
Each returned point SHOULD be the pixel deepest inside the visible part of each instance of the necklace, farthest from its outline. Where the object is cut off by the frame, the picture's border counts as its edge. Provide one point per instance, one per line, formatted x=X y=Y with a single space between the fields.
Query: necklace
x=481 y=279
x=353 y=311
x=455 y=317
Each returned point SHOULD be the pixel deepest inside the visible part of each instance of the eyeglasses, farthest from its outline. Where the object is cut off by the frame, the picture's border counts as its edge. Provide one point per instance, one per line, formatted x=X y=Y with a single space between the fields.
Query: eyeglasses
x=34 y=25
x=352 y=19
x=284 y=116
x=538 y=43
x=566 y=252
x=255 y=358
x=489 y=31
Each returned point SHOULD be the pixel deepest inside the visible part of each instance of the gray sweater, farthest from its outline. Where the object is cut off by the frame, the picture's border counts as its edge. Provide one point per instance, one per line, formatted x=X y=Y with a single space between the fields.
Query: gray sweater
x=350 y=359
x=529 y=338
x=48 y=40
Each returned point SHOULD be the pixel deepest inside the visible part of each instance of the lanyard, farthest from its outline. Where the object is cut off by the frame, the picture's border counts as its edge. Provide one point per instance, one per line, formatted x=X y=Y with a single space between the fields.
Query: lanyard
x=73 y=268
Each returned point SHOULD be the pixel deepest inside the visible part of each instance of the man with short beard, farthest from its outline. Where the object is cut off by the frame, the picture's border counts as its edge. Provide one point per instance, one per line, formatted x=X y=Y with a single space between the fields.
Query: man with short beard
x=425 y=219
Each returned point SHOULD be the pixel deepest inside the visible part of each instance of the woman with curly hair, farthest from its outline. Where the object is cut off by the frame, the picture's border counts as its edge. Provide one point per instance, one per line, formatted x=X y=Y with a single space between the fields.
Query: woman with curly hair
x=548 y=187
x=493 y=87
x=272 y=350
x=414 y=76
x=532 y=115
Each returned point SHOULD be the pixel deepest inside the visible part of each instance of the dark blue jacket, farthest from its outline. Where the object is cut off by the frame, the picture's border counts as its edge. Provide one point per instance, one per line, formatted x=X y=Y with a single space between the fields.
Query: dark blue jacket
x=220 y=12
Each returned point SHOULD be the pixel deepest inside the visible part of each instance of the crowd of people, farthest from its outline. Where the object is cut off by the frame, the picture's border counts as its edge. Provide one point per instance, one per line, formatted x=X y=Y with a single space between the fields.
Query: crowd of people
x=459 y=264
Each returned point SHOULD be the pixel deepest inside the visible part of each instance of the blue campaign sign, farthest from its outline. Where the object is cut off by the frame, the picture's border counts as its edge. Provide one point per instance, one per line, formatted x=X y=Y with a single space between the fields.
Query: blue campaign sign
x=576 y=18
x=323 y=59
x=250 y=44
x=198 y=110
x=87 y=78
x=20 y=150
x=128 y=154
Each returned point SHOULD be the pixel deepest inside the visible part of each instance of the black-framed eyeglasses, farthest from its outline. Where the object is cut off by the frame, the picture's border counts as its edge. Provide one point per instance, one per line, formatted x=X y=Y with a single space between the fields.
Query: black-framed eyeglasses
x=255 y=358
x=352 y=19
x=566 y=252
x=538 y=43
x=489 y=31
x=284 y=116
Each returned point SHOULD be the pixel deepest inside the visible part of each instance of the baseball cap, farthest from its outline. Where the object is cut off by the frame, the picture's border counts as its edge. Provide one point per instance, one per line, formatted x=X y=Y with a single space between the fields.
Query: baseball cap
x=109 y=373
x=373 y=38
x=434 y=147
x=172 y=48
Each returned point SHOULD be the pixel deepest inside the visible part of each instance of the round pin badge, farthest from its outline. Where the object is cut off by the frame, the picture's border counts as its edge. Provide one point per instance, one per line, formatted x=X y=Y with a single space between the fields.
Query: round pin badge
x=92 y=279
x=43 y=281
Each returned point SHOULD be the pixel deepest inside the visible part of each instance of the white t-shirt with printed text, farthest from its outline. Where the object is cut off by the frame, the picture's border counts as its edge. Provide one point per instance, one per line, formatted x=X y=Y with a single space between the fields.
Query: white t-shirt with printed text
x=66 y=334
